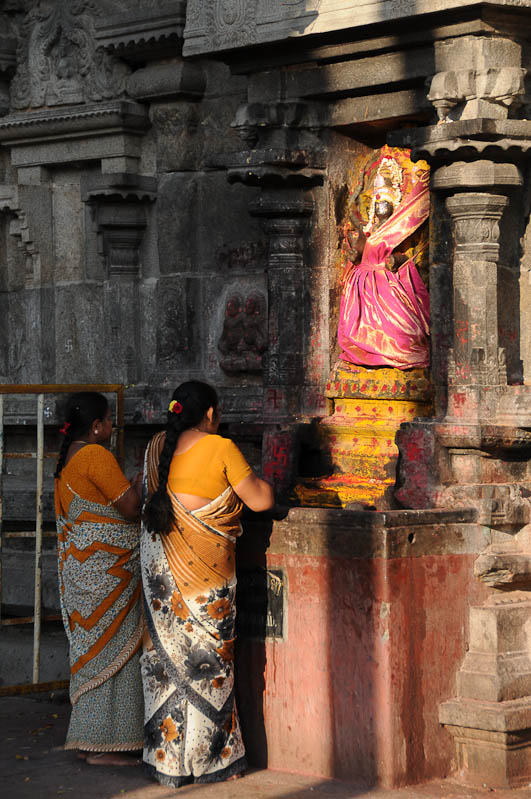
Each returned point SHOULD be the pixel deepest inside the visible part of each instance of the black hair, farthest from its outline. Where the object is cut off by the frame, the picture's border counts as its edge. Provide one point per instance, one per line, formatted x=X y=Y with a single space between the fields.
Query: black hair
x=195 y=398
x=81 y=410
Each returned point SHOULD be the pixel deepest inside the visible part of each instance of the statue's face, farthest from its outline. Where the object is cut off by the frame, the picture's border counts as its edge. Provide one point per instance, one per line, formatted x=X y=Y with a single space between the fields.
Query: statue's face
x=383 y=209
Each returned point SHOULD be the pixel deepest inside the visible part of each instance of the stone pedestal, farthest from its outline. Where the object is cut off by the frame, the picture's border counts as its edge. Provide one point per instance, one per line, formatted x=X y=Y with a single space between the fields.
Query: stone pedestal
x=368 y=406
x=344 y=681
x=490 y=718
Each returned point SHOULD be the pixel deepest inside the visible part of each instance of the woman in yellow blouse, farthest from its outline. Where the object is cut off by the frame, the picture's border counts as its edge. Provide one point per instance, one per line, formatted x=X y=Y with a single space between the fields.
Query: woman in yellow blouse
x=196 y=483
x=97 y=512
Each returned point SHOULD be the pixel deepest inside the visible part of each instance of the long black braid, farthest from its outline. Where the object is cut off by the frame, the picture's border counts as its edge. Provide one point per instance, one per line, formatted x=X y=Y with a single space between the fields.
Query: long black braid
x=195 y=398
x=80 y=412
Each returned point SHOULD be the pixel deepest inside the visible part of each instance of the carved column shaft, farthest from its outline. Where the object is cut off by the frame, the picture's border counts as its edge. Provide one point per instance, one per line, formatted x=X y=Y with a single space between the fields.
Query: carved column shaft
x=285 y=222
x=476 y=358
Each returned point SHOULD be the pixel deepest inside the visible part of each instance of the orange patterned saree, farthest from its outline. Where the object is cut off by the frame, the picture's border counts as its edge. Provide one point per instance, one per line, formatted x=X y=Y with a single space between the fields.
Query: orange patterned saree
x=99 y=586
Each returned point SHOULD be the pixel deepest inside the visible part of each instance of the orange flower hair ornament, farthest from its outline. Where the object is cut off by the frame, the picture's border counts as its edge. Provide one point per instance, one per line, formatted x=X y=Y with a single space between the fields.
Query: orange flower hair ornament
x=175 y=407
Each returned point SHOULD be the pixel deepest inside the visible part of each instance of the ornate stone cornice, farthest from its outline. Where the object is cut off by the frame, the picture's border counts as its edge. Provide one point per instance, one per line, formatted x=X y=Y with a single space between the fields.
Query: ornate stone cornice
x=467 y=138
x=219 y=26
x=144 y=33
x=115 y=116
x=277 y=166
x=281 y=207
x=475 y=175
x=118 y=186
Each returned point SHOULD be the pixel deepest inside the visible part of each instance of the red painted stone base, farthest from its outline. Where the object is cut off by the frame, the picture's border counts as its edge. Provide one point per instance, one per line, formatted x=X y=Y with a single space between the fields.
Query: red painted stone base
x=376 y=614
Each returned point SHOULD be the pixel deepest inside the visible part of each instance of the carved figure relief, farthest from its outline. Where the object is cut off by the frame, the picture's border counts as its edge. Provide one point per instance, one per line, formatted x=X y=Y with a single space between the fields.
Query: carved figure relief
x=244 y=337
x=168 y=338
x=57 y=60
x=231 y=21
x=384 y=313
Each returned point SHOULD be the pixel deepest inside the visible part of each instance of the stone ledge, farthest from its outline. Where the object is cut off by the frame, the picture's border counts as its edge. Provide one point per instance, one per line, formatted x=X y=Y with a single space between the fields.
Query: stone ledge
x=477 y=135
x=119 y=116
x=372 y=534
x=509 y=716
x=144 y=33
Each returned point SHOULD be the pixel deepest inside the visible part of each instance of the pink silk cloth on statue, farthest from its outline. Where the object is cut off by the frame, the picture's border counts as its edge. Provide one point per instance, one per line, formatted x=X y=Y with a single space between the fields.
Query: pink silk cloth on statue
x=385 y=316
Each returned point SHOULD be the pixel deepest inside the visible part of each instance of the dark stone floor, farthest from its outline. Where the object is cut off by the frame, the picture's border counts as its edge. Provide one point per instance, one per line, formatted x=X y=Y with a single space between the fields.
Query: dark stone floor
x=33 y=765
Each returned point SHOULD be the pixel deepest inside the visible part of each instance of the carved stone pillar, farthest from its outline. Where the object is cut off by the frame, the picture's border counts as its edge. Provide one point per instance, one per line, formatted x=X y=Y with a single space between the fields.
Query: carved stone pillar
x=480 y=445
x=285 y=220
x=475 y=358
x=286 y=162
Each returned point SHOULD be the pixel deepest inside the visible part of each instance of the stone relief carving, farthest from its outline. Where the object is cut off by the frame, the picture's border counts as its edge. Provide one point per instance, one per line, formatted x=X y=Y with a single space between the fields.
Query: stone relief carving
x=168 y=336
x=230 y=21
x=244 y=337
x=57 y=59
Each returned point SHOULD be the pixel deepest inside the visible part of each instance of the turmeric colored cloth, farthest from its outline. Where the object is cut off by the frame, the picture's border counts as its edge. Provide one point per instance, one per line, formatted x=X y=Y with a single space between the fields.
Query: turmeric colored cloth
x=99 y=587
x=384 y=317
x=192 y=732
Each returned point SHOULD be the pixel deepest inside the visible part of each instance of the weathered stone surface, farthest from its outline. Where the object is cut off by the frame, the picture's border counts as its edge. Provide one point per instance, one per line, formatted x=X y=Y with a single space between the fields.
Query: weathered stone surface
x=169 y=81
x=477 y=77
x=126 y=228
x=218 y=25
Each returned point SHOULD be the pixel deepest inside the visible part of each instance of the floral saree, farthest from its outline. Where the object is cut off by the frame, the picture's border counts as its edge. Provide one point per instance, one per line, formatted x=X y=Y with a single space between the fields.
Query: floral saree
x=191 y=732
x=100 y=592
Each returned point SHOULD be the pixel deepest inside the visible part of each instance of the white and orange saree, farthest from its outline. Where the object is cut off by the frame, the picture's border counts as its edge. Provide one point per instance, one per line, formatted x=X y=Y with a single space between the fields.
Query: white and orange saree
x=191 y=733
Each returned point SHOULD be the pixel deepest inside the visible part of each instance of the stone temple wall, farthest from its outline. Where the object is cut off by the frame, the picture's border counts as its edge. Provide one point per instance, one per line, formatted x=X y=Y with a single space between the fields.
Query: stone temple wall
x=172 y=180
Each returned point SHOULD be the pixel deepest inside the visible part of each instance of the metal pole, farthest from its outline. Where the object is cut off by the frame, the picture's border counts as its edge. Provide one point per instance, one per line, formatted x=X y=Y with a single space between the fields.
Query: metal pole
x=38 y=539
x=1 y=492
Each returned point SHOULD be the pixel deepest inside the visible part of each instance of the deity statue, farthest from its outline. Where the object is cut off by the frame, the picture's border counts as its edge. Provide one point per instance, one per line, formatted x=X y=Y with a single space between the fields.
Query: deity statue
x=384 y=312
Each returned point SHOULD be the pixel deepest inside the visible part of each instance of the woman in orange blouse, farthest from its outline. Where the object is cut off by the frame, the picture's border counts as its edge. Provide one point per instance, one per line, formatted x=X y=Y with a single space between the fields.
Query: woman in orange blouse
x=97 y=512
x=197 y=483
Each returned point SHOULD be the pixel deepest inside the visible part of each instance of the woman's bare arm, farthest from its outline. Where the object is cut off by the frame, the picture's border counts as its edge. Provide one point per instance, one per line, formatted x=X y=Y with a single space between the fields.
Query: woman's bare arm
x=256 y=493
x=129 y=504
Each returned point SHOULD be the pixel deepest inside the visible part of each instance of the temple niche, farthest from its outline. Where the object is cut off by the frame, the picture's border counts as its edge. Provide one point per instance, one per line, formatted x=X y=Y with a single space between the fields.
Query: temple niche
x=381 y=378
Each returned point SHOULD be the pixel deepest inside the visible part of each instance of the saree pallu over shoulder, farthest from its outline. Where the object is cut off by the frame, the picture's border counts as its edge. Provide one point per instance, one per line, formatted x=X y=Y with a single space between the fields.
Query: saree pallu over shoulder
x=100 y=591
x=191 y=731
